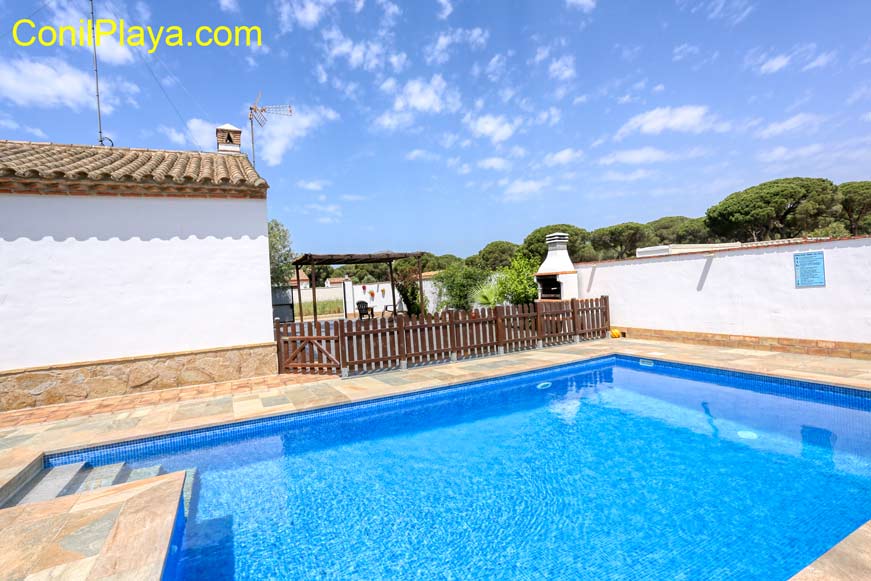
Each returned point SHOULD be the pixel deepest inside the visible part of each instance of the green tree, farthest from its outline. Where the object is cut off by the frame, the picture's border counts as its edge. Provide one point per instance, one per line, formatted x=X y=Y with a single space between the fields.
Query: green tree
x=281 y=268
x=777 y=209
x=516 y=282
x=408 y=288
x=457 y=285
x=535 y=247
x=621 y=240
x=494 y=256
x=856 y=206
x=323 y=272
x=667 y=230
x=695 y=231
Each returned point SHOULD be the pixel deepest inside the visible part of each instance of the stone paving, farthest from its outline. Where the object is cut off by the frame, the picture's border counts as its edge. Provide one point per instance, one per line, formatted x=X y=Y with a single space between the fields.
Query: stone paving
x=26 y=434
x=120 y=532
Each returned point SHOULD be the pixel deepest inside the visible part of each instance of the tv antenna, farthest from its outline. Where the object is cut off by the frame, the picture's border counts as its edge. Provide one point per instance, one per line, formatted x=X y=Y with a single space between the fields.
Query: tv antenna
x=259 y=113
x=102 y=139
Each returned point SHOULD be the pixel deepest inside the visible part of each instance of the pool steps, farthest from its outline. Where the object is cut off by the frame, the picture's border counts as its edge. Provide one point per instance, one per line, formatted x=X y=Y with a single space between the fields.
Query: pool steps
x=80 y=477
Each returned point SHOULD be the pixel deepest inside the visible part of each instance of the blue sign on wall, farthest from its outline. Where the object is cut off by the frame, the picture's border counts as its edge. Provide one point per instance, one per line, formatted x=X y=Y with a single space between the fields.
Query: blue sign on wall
x=810 y=269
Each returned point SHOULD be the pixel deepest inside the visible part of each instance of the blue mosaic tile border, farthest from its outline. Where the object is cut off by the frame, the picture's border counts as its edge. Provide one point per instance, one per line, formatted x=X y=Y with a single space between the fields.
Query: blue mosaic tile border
x=182 y=441
x=191 y=439
x=799 y=389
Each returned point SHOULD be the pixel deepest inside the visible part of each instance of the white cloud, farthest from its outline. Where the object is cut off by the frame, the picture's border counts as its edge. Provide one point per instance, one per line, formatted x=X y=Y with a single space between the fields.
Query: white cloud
x=393 y=120
x=421 y=155
x=321 y=74
x=495 y=127
x=584 y=5
x=517 y=152
x=683 y=51
x=439 y=51
x=785 y=154
x=229 y=5
x=520 y=190
x=732 y=12
x=496 y=67
x=201 y=134
x=822 y=60
x=807 y=122
x=563 y=68
x=686 y=119
x=12 y=125
x=541 y=53
x=495 y=163
x=312 y=185
x=369 y=55
x=110 y=50
x=398 y=61
x=580 y=99
x=445 y=9
x=766 y=63
x=326 y=213
x=353 y=198
x=304 y=13
x=389 y=85
x=143 y=12
x=52 y=83
x=632 y=176
x=774 y=64
x=433 y=96
x=862 y=93
x=282 y=133
x=867 y=117
x=658 y=88
x=550 y=116
x=174 y=135
x=640 y=156
x=563 y=157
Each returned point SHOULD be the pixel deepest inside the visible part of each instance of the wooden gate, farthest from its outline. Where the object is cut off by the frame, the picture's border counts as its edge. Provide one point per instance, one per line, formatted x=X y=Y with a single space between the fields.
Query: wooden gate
x=311 y=348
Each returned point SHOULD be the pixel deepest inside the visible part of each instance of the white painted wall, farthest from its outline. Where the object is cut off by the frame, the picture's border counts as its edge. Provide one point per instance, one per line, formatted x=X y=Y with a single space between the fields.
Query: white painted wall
x=86 y=278
x=746 y=292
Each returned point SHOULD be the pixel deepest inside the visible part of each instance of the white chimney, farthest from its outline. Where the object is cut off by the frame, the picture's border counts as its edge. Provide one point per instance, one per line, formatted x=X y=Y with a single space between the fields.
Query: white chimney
x=229 y=138
x=557 y=277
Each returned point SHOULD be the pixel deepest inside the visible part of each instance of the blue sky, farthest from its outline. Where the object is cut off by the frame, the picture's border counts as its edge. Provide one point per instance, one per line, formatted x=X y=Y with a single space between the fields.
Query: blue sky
x=441 y=125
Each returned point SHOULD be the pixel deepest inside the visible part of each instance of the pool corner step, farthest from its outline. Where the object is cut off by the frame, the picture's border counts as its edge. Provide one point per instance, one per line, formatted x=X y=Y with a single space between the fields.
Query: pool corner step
x=50 y=483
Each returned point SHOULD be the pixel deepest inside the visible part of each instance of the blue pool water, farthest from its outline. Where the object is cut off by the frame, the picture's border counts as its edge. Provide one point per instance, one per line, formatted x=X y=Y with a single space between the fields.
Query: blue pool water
x=615 y=470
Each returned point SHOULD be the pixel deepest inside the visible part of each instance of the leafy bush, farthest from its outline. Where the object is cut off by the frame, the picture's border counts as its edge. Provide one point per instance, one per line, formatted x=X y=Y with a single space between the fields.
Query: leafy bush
x=457 y=285
x=516 y=283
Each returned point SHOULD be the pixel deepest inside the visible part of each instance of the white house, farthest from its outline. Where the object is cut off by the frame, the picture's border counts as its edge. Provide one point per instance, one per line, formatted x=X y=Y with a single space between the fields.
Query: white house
x=127 y=270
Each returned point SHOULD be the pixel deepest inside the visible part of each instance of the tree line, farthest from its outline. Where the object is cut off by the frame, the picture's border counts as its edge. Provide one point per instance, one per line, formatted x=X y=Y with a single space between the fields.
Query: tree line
x=773 y=210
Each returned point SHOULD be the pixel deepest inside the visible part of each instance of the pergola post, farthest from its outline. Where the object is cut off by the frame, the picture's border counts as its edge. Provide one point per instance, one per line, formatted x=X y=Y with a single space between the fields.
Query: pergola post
x=314 y=283
x=299 y=293
x=392 y=286
x=420 y=285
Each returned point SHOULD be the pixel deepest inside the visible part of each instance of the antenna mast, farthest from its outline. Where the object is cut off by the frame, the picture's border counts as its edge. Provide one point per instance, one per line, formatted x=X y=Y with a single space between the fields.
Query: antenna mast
x=102 y=139
x=259 y=114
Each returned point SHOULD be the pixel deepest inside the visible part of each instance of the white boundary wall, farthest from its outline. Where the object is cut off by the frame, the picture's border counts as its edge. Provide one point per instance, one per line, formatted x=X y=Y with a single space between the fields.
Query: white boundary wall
x=89 y=278
x=740 y=292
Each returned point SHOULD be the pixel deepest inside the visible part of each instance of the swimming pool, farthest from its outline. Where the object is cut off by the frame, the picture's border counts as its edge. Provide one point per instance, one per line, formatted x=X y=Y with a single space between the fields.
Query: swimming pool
x=615 y=468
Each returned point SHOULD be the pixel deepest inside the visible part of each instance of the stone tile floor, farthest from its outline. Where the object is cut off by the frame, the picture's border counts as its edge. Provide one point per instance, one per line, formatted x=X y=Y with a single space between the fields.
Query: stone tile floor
x=26 y=434
x=120 y=532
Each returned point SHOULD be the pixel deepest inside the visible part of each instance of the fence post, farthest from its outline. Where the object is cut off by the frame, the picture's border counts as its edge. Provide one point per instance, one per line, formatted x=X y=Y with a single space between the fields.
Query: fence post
x=343 y=349
x=499 y=314
x=402 y=353
x=452 y=327
x=576 y=320
x=539 y=324
x=607 y=306
x=276 y=323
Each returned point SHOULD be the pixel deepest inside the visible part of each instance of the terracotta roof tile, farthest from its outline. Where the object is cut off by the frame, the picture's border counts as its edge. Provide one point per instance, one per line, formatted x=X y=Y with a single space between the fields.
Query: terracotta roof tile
x=118 y=164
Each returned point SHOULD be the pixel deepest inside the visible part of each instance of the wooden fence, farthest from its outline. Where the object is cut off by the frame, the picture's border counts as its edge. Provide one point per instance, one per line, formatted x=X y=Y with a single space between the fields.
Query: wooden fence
x=362 y=346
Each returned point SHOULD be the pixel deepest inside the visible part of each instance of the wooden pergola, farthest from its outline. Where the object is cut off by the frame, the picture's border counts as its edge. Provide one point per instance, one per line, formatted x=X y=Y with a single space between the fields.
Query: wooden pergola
x=341 y=259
